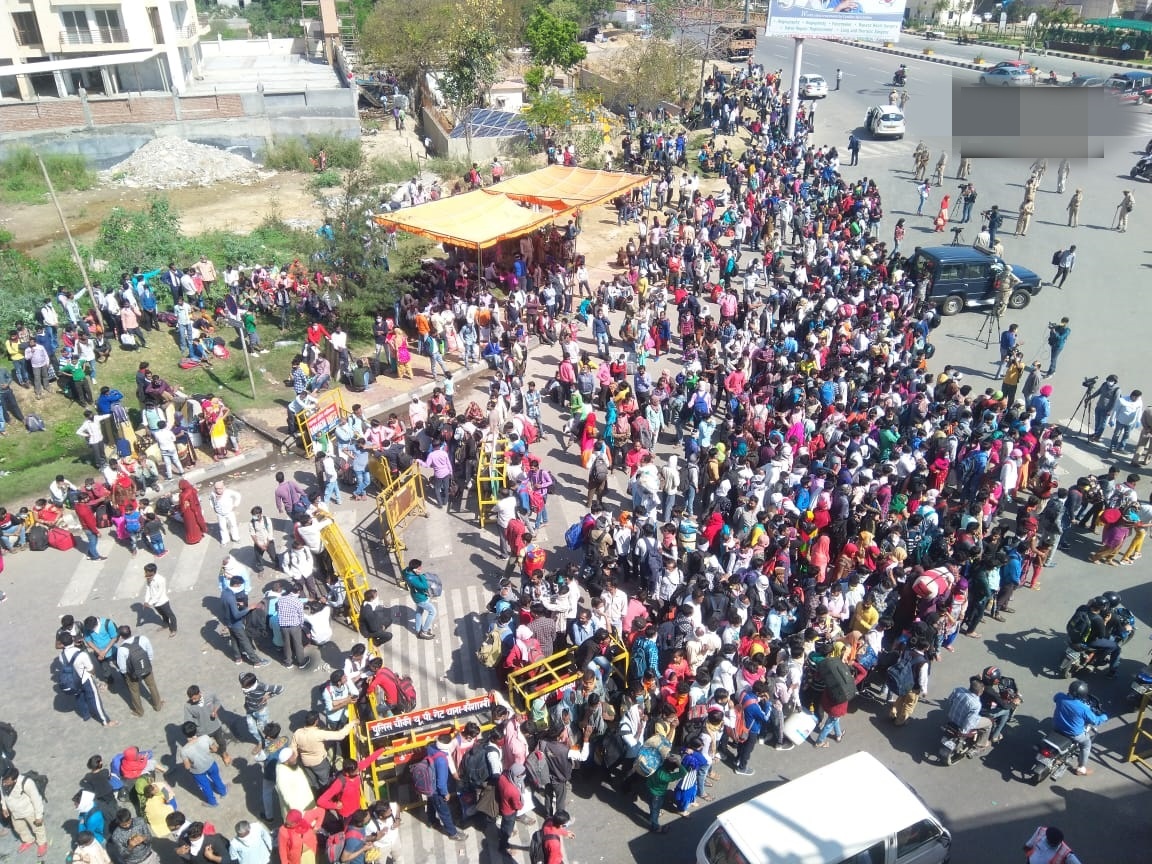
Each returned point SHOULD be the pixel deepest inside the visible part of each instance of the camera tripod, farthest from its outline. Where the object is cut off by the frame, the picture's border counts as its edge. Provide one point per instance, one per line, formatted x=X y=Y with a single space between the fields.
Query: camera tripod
x=958 y=237
x=991 y=319
x=1083 y=410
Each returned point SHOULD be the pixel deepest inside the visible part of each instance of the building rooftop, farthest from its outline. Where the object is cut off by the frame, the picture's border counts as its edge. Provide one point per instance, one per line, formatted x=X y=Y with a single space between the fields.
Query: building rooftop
x=236 y=74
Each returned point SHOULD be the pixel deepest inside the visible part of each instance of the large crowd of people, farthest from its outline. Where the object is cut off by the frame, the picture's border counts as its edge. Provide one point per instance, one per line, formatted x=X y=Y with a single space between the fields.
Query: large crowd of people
x=810 y=514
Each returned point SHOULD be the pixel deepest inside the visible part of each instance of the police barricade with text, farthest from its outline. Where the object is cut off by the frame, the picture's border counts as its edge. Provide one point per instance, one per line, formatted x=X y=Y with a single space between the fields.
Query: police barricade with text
x=317 y=426
x=401 y=739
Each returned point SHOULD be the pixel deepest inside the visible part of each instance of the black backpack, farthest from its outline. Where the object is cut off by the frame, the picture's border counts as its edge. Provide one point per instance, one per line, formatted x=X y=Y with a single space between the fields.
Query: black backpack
x=536 y=846
x=1080 y=626
x=476 y=771
x=37 y=538
x=38 y=780
x=139 y=663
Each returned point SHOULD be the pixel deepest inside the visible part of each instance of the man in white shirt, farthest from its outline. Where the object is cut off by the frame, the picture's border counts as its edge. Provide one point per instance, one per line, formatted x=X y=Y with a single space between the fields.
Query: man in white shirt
x=90 y=431
x=166 y=441
x=156 y=598
x=88 y=701
x=224 y=503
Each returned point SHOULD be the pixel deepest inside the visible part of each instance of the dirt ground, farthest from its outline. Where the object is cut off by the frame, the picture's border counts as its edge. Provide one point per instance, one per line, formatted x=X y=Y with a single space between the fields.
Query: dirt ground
x=225 y=207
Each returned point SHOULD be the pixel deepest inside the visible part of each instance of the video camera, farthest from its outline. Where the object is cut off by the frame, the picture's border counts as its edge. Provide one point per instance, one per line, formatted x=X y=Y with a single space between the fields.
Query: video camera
x=1088 y=383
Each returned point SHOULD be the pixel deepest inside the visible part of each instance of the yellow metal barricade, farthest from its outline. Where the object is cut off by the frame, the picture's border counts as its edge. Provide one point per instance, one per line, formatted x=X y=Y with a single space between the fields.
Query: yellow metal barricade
x=401 y=739
x=546 y=676
x=348 y=567
x=316 y=427
x=397 y=505
x=1139 y=732
x=490 y=474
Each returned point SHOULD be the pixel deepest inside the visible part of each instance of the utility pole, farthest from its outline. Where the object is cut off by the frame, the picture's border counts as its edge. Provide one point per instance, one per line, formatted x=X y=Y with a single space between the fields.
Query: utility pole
x=794 y=106
x=67 y=233
x=747 y=10
x=707 y=48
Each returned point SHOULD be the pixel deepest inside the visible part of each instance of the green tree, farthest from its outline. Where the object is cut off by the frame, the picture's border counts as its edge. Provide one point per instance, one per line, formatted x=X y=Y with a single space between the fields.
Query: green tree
x=139 y=238
x=409 y=39
x=658 y=72
x=582 y=13
x=553 y=41
x=473 y=62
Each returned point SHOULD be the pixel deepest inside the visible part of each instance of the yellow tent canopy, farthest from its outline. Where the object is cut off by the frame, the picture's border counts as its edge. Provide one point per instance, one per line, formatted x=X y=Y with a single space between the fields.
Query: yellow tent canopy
x=561 y=188
x=474 y=220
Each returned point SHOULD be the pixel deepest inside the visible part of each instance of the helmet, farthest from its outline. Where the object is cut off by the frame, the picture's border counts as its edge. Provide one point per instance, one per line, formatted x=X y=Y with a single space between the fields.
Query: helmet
x=1078 y=690
x=1098 y=603
x=990 y=675
x=1112 y=598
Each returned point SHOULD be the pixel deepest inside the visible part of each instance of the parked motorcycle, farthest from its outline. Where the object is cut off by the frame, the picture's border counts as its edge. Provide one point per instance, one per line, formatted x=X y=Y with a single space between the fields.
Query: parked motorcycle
x=1141 y=685
x=1142 y=170
x=1078 y=657
x=1056 y=753
x=955 y=745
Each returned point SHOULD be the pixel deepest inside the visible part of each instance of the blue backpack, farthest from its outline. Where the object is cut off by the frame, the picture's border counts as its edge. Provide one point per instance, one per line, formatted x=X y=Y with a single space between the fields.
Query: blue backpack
x=132 y=521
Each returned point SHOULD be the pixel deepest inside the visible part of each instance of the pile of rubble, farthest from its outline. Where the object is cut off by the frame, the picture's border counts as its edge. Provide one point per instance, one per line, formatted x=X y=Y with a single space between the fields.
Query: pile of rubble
x=173 y=163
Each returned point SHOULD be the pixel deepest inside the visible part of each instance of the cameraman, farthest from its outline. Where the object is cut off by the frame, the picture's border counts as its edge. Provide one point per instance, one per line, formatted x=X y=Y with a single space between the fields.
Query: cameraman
x=968 y=196
x=1009 y=344
x=1057 y=338
x=1105 y=395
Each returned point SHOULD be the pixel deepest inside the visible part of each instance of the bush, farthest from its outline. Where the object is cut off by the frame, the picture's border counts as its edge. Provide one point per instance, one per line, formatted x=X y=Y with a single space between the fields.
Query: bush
x=326 y=179
x=22 y=182
x=296 y=154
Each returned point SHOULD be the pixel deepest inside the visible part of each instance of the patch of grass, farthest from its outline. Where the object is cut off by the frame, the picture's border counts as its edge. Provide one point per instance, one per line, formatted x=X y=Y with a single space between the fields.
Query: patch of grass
x=394 y=170
x=296 y=154
x=34 y=459
x=21 y=181
x=326 y=179
x=448 y=169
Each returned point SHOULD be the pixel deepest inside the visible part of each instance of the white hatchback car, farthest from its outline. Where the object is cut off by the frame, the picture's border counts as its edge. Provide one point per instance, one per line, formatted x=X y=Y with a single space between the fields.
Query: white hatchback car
x=813 y=86
x=885 y=121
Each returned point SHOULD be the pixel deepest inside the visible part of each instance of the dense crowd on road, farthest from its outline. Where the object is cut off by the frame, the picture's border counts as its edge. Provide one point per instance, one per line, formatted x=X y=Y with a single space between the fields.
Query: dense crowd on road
x=810 y=514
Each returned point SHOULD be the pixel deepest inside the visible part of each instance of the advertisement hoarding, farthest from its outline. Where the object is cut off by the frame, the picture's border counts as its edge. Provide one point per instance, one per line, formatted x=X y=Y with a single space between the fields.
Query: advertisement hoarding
x=869 y=20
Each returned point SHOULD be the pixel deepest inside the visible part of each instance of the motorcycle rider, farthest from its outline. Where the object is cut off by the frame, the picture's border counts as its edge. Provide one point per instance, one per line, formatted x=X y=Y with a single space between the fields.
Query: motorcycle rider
x=1072 y=717
x=1121 y=621
x=999 y=700
x=900 y=75
x=963 y=710
x=1099 y=638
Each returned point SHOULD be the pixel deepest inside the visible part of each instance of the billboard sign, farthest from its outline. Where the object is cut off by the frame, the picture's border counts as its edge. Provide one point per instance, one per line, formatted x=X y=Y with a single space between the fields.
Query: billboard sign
x=868 y=20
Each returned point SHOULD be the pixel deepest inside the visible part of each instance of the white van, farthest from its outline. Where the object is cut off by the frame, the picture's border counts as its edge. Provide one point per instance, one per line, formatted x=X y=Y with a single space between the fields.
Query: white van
x=795 y=823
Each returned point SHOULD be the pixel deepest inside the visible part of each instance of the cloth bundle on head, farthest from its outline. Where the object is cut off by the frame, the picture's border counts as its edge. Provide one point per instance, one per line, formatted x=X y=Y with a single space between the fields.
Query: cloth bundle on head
x=523 y=634
x=133 y=763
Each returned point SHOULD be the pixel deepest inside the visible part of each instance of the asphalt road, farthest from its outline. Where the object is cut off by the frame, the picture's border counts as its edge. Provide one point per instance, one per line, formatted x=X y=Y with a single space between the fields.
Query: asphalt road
x=985 y=802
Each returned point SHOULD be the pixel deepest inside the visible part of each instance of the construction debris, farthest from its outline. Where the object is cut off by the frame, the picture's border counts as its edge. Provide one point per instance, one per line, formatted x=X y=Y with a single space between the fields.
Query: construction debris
x=173 y=163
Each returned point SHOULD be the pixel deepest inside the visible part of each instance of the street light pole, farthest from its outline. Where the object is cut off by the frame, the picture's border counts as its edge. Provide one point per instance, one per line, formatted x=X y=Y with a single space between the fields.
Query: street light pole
x=747 y=10
x=794 y=107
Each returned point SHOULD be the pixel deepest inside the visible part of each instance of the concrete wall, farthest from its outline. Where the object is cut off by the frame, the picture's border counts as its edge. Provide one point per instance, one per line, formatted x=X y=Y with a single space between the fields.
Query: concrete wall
x=220 y=47
x=483 y=149
x=106 y=130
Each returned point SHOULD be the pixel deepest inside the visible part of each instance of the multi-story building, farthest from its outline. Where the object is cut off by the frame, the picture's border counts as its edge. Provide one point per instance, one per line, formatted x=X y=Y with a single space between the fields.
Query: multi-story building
x=54 y=48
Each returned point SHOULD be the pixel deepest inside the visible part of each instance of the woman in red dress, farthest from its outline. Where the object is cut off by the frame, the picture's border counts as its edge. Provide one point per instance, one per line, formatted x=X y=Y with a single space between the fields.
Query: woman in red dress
x=194 y=524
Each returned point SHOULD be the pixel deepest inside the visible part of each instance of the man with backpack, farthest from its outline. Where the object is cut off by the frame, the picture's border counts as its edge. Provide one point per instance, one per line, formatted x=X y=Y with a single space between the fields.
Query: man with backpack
x=76 y=677
x=134 y=657
x=908 y=681
x=23 y=807
x=547 y=844
x=430 y=779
